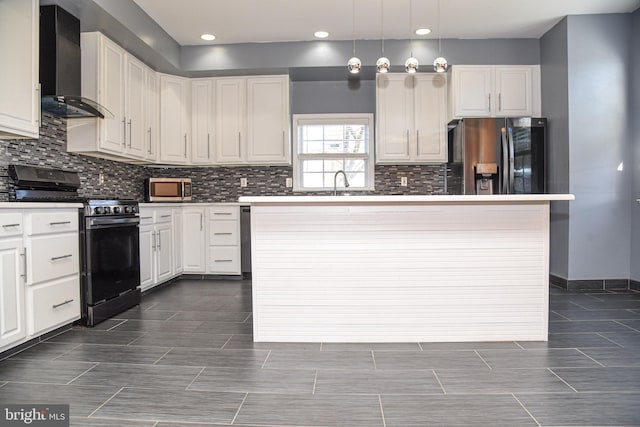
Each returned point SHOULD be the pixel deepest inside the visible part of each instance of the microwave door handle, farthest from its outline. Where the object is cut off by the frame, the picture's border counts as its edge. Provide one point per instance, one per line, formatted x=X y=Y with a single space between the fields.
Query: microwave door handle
x=504 y=184
x=512 y=162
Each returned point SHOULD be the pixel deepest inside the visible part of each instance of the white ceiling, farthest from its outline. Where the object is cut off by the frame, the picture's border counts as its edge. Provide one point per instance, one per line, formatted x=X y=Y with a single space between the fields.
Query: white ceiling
x=250 y=21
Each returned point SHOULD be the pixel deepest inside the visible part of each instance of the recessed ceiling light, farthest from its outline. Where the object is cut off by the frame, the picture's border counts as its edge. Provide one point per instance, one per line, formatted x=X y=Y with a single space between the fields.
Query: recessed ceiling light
x=208 y=37
x=321 y=34
x=423 y=31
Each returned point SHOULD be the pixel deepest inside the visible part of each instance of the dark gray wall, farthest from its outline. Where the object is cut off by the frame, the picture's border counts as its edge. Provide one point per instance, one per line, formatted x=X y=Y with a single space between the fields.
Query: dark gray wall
x=356 y=96
x=599 y=139
x=635 y=118
x=555 y=106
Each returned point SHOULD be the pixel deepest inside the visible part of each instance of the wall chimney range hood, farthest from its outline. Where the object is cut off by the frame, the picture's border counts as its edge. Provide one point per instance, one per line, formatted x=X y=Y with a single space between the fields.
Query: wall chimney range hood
x=60 y=66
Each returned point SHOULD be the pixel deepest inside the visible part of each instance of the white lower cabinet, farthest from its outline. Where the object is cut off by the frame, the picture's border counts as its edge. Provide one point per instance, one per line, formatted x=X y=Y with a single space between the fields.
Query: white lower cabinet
x=53 y=303
x=12 y=307
x=224 y=240
x=194 y=242
x=156 y=246
x=178 y=259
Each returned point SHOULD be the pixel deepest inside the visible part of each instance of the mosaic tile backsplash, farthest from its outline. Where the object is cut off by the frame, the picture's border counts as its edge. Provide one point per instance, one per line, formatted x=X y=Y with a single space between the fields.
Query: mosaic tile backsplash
x=210 y=184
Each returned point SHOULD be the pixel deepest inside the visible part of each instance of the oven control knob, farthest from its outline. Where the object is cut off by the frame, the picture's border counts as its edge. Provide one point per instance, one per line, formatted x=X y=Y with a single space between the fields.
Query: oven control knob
x=116 y=210
x=107 y=209
x=99 y=210
x=127 y=209
x=134 y=209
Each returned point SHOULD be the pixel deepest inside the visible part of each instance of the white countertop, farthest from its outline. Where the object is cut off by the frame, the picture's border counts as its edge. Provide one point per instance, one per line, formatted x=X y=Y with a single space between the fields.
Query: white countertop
x=405 y=199
x=39 y=205
x=186 y=204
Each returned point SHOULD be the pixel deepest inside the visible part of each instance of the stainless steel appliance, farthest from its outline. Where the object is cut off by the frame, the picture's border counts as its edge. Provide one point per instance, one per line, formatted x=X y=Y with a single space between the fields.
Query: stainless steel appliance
x=245 y=241
x=498 y=156
x=167 y=189
x=109 y=240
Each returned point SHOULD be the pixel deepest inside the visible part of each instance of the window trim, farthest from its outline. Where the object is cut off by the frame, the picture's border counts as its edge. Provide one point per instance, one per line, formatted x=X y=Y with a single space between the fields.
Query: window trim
x=337 y=118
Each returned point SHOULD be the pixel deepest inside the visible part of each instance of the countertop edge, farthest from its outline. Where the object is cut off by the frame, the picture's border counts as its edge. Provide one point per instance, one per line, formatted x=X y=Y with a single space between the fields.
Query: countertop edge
x=40 y=205
x=523 y=198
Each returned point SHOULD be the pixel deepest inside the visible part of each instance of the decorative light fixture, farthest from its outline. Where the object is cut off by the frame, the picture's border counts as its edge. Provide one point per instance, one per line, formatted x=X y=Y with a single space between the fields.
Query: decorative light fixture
x=354 y=64
x=382 y=64
x=208 y=37
x=321 y=34
x=423 y=31
x=440 y=64
x=411 y=64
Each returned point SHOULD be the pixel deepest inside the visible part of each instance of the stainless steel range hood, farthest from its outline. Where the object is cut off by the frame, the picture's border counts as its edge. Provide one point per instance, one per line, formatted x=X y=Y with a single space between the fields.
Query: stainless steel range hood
x=60 y=66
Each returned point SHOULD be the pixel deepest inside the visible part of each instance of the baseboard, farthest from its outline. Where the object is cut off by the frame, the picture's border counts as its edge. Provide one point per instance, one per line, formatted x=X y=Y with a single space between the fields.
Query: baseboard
x=586 y=285
x=634 y=285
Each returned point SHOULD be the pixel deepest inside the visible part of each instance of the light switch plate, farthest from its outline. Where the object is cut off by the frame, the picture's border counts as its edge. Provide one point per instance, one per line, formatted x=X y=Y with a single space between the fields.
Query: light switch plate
x=289 y=182
x=403 y=181
x=243 y=182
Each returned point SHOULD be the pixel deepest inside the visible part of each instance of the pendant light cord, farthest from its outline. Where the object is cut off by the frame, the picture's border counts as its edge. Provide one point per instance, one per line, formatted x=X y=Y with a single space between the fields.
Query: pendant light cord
x=382 y=24
x=353 y=26
x=439 y=35
x=410 y=27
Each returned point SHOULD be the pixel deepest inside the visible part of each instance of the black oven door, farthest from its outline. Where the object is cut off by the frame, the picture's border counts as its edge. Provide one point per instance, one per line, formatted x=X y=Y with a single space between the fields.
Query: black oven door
x=112 y=257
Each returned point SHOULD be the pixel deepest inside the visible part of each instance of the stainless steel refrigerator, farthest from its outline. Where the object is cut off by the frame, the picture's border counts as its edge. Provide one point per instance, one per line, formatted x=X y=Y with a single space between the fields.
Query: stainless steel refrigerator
x=497 y=156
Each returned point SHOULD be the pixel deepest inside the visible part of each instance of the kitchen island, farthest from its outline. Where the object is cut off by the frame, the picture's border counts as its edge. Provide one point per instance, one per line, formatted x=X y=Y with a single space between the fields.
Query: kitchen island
x=400 y=268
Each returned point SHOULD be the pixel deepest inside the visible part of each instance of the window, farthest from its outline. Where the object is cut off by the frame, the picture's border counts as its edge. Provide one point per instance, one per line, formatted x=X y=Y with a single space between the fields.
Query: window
x=327 y=143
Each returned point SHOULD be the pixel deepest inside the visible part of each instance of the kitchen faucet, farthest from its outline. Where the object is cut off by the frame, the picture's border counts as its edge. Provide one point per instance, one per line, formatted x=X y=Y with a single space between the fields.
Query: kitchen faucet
x=335 y=178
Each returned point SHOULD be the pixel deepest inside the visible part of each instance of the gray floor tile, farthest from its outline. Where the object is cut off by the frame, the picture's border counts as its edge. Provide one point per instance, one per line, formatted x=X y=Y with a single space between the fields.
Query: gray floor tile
x=222 y=316
x=143 y=376
x=105 y=325
x=633 y=324
x=620 y=314
x=536 y=358
x=615 y=356
x=311 y=410
x=285 y=359
x=428 y=360
x=97 y=422
x=410 y=346
x=169 y=405
x=377 y=382
x=579 y=326
x=255 y=380
x=455 y=411
x=624 y=379
x=115 y=354
x=157 y=326
x=501 y=381
x=578 y=340
x=41 y=371
x=430 y=346
x=629 y=339
x=45 y=351
x=90 y=336
x=584 y=409
x=141 y=314
x=174 y=339
x=215 y=358
x=555 y=316
x=225 y=328
x=238 y=342
x=82 y=400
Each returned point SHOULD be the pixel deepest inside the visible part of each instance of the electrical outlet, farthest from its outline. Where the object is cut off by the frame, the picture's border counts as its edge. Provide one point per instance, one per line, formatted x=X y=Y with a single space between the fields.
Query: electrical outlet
x=243 y=182
x=100 y=178
x=403 y=181
x=289 y=182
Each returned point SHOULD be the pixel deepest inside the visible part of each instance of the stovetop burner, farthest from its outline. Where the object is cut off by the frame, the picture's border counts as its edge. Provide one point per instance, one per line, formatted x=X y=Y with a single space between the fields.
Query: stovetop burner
x=104 y=207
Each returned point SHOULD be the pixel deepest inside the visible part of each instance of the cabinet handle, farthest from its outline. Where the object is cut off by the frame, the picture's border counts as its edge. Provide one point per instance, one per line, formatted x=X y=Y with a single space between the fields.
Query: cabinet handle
x=201 y=221
x=284 y=145
x=39 y=119
x=185 y=145
x=500 y=102
x=489 y=103
x=10 y=225
x=146 y=217
x=124 y=132
x=24 y=269
x=153 y=241
x=159 y=240
x=165 y=216
x=222 y=213
x=239 y=145
x=418 y=141
x=55 y=258
x=149 y=149
x=223 y=260
x=60 y=223
x=222 y=234
x=408 y=141
x=62 y=303
x=208 y=146
x=130 y=134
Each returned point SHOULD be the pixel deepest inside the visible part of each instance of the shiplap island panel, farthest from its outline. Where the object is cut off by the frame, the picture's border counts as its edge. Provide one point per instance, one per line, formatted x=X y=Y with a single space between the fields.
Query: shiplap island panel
x=400 y=268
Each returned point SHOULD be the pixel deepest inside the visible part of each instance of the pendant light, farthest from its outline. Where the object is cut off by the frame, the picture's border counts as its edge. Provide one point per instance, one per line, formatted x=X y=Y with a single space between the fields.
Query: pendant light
x=354 y=64
x=440 y=64
x=382 y=64
x=411 y=64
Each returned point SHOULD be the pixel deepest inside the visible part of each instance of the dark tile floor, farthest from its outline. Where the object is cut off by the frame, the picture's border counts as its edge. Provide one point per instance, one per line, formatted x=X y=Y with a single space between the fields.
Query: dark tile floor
x=185 y=357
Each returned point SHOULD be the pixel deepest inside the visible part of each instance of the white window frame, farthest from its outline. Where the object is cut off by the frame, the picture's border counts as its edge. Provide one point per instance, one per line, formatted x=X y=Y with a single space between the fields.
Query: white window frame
x=345 y=118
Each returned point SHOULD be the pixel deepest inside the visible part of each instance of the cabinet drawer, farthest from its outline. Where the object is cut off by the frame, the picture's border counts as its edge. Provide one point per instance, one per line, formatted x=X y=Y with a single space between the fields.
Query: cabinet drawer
x=223 y=233
x=10 y=224
x=224 y=259
x=50 y=257
x=146 y=216
x=162 y=215
x=224 y=212
x=52 y=222
x=54 y=304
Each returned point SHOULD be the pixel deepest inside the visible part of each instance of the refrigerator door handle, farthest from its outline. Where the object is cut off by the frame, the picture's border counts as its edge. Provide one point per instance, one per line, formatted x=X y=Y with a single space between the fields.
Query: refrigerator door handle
x=512 y=162
x=504 y=184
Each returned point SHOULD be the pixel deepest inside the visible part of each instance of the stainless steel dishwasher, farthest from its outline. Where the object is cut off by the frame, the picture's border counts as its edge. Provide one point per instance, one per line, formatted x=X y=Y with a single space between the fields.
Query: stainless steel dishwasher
x=245 y=241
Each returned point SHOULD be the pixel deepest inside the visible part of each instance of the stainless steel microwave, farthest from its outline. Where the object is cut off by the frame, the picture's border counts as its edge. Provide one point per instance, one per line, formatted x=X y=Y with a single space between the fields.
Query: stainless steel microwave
x=167 y=189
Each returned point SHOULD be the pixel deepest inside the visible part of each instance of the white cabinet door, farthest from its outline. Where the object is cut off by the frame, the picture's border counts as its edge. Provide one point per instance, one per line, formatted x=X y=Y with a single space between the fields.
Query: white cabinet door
x=152 y=115
x=111 y=95
x=164 y=252
x=12 y=303
x=176 y=238
x=268 y=139
x=135 y=108
x=147 y=255
x=19 y=93
x=472 y=91
x=173 y=119
x=230 y=113
x=513 y=90
x=394 y=121
x=430 y=104
x=202 y=116
x=194 y=240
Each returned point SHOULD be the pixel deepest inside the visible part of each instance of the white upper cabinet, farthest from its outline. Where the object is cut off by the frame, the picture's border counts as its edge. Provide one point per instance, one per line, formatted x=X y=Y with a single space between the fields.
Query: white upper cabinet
x=411 y=118
x=19 y=89
x=268 y=140
x=152 y=115
x=203 y=120
x=175 y=122
x=135 y=106
x=231 y=107
x=495 y=91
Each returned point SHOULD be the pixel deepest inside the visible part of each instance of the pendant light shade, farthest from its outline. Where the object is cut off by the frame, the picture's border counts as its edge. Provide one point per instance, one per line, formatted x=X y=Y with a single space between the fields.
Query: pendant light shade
x=411 y=65
x=440 y=64
x=354 y=65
